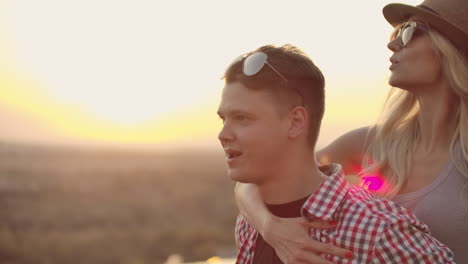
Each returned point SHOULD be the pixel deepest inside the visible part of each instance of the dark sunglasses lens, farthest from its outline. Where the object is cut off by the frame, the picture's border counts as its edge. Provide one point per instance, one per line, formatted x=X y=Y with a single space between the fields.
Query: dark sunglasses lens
x=406 y=34
x=254 y=63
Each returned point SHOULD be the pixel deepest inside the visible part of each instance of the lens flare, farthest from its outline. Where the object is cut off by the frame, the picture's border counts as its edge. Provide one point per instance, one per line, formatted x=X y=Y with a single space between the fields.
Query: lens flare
x=372 y=183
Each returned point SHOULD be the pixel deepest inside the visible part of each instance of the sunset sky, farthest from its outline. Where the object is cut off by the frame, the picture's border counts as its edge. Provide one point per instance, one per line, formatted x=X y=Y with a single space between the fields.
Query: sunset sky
x=147 y=72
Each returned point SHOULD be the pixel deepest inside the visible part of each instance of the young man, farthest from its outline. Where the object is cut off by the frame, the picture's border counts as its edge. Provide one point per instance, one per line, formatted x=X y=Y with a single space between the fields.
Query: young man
x=272 y=106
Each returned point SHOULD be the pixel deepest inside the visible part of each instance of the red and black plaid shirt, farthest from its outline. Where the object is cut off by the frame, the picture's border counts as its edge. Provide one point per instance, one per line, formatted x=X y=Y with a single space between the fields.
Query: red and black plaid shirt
x=374 y=229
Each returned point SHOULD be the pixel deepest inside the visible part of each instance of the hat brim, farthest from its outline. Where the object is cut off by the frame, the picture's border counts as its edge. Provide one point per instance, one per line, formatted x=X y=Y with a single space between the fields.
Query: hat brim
x=396 y=14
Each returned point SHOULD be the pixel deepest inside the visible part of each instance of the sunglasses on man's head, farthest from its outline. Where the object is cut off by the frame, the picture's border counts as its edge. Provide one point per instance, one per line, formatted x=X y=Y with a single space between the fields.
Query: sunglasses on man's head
x=255 y=62
x=406 y=31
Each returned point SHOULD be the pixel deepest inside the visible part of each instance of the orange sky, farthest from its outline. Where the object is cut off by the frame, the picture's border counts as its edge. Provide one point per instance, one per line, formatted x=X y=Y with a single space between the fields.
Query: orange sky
x=141 y=72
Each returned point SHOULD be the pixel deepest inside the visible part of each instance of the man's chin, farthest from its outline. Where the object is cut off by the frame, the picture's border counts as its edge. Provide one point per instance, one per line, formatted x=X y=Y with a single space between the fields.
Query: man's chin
x=239 y=177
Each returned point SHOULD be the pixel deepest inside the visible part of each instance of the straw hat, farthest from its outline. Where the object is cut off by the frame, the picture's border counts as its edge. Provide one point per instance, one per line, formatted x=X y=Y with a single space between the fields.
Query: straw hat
x=448 y=17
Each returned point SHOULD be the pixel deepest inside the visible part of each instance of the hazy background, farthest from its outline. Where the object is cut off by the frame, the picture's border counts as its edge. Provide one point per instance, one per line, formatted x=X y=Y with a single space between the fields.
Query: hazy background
x=108 y=125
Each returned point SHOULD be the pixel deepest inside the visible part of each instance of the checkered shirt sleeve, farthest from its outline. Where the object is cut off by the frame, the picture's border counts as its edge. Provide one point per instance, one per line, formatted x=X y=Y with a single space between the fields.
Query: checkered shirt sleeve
x=241 y=231
x=405 y=243
x=377 y=231
x=246 y=236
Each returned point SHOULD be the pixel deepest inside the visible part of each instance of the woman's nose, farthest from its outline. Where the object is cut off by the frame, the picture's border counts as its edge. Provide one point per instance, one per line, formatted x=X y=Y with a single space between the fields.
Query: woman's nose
x=394 y=45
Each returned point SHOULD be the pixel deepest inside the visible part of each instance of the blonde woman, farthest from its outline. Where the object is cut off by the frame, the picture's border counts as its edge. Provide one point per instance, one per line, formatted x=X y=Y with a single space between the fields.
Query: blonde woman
x=418 y=148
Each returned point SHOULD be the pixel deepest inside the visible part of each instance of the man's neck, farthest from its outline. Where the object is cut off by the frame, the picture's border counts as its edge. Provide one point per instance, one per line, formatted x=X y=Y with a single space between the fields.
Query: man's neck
x=293 y=182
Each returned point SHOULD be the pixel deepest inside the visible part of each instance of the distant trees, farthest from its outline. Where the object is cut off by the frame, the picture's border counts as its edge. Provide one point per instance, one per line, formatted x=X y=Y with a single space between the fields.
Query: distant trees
x=105 y=206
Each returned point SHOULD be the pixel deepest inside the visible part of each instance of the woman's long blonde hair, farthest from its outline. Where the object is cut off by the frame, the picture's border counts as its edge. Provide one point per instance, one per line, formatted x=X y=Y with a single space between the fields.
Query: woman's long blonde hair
x=397 y=128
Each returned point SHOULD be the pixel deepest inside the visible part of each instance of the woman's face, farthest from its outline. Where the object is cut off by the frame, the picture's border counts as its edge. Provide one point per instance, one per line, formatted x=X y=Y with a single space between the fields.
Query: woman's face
x=417 y=64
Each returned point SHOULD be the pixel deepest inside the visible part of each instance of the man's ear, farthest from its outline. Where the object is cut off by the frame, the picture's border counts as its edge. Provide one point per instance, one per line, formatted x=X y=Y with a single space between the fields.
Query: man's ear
x=298 y=121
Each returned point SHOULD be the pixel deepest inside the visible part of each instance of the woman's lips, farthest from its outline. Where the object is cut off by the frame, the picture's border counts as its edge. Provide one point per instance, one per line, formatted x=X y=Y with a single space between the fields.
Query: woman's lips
x=393 y=62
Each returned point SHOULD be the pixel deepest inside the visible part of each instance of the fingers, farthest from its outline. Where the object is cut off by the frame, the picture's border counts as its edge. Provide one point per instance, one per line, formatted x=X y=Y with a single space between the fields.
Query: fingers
x=320 y=224
x=299 y=256
x=307 y=257
x=322 y=247
x=314 y=246
x=293 y=245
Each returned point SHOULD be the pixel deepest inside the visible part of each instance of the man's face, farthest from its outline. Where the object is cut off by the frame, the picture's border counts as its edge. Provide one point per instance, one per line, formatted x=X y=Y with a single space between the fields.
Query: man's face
x=254 y=134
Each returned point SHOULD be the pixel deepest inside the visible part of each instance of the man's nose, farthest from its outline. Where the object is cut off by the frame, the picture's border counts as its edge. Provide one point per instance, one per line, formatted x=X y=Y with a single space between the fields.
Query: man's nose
x=226 y=134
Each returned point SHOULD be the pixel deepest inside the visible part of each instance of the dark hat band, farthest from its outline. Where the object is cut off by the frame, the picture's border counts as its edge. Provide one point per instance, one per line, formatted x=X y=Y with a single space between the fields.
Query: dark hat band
x=428 y=9
x=448 y=18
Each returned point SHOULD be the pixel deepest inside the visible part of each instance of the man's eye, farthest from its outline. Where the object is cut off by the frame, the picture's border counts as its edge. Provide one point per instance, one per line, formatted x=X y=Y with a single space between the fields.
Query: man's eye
x=240 y=118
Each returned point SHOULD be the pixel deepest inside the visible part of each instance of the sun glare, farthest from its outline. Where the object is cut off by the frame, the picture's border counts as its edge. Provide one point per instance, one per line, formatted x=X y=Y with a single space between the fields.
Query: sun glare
x=143 y=71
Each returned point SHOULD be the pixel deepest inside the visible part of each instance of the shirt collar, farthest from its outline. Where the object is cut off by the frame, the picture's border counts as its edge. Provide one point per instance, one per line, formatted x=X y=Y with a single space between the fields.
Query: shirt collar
x=324 y=202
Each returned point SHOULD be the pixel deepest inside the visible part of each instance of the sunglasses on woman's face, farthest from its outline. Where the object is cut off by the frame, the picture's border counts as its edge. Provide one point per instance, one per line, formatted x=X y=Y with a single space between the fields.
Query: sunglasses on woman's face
x=406 y=31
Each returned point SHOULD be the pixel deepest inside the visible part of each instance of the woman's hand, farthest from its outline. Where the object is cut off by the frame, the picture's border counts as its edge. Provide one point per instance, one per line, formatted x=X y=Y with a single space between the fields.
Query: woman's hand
x=290 y=239
x=288 y=236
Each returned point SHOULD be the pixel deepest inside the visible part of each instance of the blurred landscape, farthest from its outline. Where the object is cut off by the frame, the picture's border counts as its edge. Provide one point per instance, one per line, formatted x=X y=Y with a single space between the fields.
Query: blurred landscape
x=107 y=205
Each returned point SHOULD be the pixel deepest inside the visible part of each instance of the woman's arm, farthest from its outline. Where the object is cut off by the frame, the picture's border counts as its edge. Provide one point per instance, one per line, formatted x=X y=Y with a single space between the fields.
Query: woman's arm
x=251 y=206
x=288 y=236
x=347 y=150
